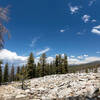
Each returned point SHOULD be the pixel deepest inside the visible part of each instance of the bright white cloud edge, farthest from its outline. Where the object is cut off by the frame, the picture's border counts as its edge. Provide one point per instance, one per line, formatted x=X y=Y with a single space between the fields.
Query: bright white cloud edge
x=96 y=30
x=73 y=9
x=14 y=58
x=86 y=18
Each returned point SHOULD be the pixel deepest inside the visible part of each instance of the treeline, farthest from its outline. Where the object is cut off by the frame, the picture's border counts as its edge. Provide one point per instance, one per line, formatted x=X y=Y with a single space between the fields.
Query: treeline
x=43 y=68
x=87 y=68
x=33 y=70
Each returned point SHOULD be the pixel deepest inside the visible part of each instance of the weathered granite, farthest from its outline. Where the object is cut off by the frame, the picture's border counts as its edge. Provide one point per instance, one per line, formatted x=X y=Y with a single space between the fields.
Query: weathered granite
x=79 y=86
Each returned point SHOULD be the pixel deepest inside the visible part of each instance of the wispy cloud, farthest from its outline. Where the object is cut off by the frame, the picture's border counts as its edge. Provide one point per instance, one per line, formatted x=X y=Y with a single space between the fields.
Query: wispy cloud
x=79 y=33
x=93 y=21
x=72 y=56
x=86 y=18
x=85 y=55
x=98 y=52
x=62 y=30
x=43 y=51
x=82 y=32
x=80 y=57
x=73 y=9
x=96 y=30
x=91 y=2
x=34 y=41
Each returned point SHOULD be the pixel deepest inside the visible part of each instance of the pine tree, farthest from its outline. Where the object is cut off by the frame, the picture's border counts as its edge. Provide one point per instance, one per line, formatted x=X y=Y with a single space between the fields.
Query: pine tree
x=57 y=63
x=22 y=75
x=47 y=69
x=43 y=64
x=95 y=69
x=0 y=73
x=51 y=68
x=38 y=70
x=12 y=74
x=17 y=72
x=86 y=70
x=65 y=62
x=6 y=75
x=31 y=67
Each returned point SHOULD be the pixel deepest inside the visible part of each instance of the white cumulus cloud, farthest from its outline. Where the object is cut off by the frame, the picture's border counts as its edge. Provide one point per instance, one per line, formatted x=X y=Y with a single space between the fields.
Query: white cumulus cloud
x=96 y=30
x=85 y=55
x=73 y=61
x=86 y=18
x=80 y=57
x=72 y=56
x=73 y=9
x=12 y=57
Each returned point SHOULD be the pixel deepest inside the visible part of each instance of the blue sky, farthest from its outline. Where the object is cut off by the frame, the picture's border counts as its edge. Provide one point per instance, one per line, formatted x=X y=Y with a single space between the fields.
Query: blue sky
x=54 y=27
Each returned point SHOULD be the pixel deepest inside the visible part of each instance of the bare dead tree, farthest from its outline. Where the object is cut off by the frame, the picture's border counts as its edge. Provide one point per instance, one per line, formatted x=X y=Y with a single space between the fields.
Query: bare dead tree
x=3 y=30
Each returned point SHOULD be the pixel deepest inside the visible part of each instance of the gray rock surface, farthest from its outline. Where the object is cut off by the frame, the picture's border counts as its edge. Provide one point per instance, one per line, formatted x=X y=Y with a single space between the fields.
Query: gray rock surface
x=79 y=86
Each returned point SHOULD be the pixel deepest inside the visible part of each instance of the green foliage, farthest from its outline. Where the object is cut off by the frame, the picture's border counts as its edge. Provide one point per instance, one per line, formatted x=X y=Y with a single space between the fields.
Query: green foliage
x=57 y=63
x=86 y=70
x=65 y=62
x=6 y=75
x=43 y=68
x=22 y=75
x=17 y=72
x=0 y=73
x=31 y=67
x=61 y=64
x=43 y=64
x=12 y=74
x=38 y=70
x=95 y=69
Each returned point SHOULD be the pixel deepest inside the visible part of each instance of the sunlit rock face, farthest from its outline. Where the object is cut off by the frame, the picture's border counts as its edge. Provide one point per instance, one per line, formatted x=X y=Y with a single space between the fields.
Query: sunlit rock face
x=79 y=86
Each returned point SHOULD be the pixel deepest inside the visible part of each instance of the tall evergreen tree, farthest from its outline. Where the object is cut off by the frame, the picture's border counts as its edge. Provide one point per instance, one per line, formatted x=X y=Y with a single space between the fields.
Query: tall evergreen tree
x=31 y=67
x=6 y=74
x=51 y=67
x=18 y=69
x=12 y=74
x=95 y=69
x=43 y=64
x=57 y=63
x=65 y=64
x=38 y=70
x=17 y=72
x=47 y=69
x=0 y=72
x=86 y=70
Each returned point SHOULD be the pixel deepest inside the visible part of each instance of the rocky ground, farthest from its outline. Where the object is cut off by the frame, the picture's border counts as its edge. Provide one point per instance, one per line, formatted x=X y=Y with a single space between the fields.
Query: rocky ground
x=83 y=86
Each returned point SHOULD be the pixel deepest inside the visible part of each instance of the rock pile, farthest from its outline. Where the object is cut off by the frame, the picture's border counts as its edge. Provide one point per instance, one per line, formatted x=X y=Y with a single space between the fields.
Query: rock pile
x=79 y=86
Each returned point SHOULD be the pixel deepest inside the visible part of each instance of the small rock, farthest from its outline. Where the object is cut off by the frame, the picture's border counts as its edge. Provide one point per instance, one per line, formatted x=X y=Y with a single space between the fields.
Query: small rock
x=20 y=96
